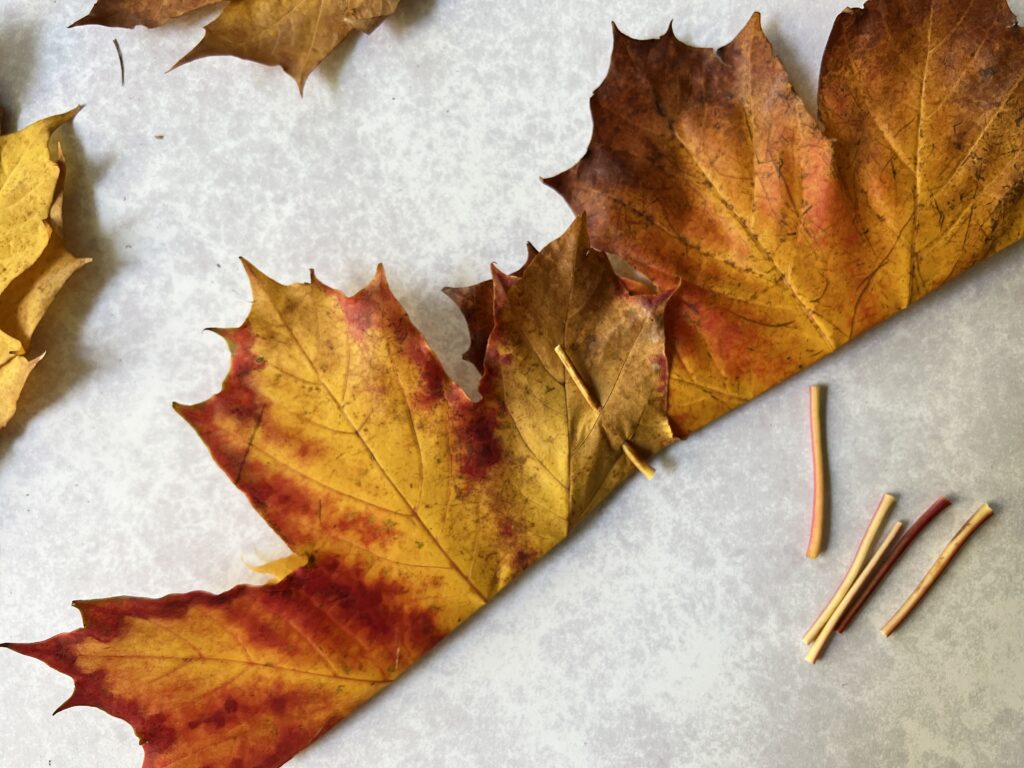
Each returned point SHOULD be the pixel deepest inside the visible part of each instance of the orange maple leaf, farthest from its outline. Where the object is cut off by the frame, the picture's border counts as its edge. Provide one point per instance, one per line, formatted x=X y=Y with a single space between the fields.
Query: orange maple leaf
x=788 y=238
x=408 y=506
x=295 y=35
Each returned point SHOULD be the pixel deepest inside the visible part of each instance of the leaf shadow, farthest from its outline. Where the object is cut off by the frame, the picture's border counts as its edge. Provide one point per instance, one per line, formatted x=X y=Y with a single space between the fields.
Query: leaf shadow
x=59 y=333
x=409 y=14
x=18 y=42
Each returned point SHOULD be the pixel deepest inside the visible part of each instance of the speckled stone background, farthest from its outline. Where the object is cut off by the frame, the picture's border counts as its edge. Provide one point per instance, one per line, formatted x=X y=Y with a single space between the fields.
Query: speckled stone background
x=667 y=632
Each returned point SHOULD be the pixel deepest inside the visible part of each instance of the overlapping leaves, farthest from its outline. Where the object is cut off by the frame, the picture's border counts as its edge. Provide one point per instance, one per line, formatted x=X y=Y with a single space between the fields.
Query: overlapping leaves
x=788 y=238
x=407 y=505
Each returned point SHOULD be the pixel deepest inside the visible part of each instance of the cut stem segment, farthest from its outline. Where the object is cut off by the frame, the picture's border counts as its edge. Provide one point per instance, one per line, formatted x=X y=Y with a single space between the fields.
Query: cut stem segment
x=577 y=379
x=945 y=558
x=890 y=561
x=816 y=542
x=826 y=632
x=859 y=559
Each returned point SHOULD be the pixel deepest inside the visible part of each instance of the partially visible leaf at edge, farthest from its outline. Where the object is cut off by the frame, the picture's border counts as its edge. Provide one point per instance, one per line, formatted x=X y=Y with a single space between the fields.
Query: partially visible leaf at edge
x=295 y=35
x=788 y=238
x=34 y=264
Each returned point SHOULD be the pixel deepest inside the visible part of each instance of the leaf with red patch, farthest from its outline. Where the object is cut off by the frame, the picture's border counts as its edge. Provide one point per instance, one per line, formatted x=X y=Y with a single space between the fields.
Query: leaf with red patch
x=410 y=505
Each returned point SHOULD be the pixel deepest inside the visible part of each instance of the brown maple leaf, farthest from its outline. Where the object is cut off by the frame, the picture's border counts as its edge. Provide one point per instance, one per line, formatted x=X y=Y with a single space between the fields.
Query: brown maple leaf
x=293 y=34
x=788 y=238
x=408 y=506
x=33 y=262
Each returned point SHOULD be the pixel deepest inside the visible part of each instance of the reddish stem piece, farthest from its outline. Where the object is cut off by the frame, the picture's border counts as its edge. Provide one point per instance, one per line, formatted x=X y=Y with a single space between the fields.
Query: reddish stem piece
x=887 y=565
x=816 y=541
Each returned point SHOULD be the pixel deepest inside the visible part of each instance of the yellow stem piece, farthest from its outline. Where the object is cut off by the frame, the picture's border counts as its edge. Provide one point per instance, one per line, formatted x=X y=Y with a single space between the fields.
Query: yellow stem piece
x=945 y=558
x=642 y=466
x=830 y=626
x=816 y=543
x=282 y=567
x=576 y=378
x=859 y=559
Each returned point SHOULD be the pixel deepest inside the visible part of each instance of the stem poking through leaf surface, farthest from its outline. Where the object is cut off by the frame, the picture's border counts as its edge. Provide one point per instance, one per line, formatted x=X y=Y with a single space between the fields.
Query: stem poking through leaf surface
x=859 y=559
x=816 y=543
x=945 y=558
x=887 y=565
x=635 y=459
x=577 y=379
x=642 y=466
x=826 y=632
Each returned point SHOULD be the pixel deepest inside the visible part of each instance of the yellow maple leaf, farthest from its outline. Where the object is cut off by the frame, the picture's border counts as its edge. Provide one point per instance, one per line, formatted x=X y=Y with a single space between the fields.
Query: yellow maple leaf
x=33 y=262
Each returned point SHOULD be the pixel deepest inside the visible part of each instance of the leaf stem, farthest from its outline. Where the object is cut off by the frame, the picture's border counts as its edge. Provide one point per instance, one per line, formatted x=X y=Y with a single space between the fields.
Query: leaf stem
x=576 y=378
x=826 y=632
x=945 y=558
x=859 y=559
x=887 y=565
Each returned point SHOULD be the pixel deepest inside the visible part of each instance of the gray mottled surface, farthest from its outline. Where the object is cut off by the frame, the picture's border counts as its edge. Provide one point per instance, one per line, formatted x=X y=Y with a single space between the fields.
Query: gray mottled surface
x=667 y=632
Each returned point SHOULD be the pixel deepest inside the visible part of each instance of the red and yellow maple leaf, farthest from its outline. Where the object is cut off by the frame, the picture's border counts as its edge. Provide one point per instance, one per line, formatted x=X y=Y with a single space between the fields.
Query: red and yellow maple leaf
x=788 y=238
x=295 y=35
x=408 y=506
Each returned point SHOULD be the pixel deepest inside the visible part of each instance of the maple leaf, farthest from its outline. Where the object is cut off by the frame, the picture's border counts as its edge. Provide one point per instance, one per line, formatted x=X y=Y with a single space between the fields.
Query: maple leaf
x=295 y=35
x=786 y=238
x=33 y=262
x=476 y=302
x=407 y=505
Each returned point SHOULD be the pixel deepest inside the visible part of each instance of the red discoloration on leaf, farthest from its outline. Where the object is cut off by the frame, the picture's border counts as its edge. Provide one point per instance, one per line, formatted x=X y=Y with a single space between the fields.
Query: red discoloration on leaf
x=508 y=528
x=372 y=608
x=360 y=315
x=524 y=559
x=432 y=375
x=243 y=359
x=479 y=449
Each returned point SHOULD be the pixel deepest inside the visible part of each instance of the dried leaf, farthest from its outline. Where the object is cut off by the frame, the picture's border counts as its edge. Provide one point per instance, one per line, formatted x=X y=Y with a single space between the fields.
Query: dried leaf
x=476 y=302
x=295 y=35
x=787 y=238
x=408 y=505
x=33 y=262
